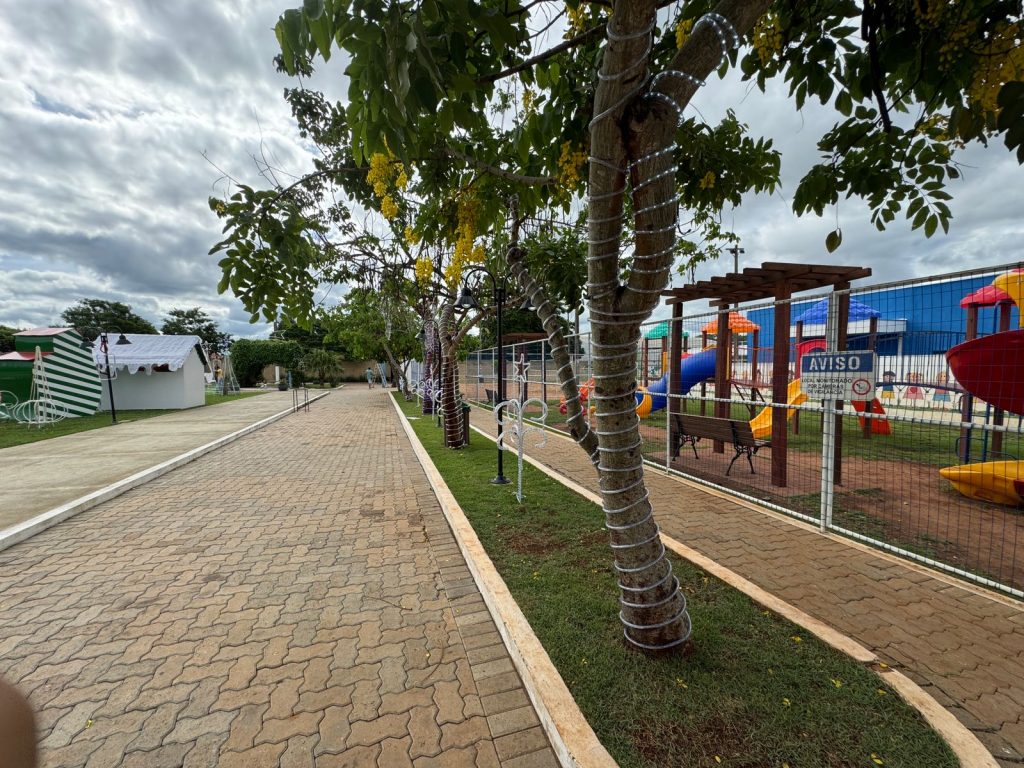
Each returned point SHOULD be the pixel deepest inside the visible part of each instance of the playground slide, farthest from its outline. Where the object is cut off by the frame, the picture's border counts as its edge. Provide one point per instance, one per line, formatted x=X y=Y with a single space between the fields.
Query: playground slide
x=992 y=369
x=1001 y=482
x=761 y=425
x=878 y=426
x=692 y=370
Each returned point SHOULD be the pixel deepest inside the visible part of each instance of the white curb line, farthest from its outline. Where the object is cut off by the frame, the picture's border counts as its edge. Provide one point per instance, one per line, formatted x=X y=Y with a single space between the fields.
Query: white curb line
x=965 y=745
x=573 y=740
x=24 y=530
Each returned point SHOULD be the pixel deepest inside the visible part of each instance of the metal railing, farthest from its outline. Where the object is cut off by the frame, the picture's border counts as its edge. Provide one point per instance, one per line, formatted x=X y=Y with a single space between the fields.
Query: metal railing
x=928 y=470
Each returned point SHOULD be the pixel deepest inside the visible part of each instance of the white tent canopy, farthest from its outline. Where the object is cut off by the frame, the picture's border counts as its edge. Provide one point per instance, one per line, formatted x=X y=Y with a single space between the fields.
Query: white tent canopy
x=148 y=351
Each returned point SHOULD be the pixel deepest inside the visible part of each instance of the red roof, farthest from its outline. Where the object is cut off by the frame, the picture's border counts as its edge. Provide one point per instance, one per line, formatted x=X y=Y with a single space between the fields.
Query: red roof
x=988 y=296
x=29 y=356
x=43 y=332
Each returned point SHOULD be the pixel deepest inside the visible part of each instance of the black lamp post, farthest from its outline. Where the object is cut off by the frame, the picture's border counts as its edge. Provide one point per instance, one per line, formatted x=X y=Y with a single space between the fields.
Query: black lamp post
x=468 y=301
x=104 y=347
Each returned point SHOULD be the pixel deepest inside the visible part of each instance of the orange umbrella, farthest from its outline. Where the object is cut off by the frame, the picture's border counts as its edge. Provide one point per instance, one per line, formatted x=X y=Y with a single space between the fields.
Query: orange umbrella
x=737 y=324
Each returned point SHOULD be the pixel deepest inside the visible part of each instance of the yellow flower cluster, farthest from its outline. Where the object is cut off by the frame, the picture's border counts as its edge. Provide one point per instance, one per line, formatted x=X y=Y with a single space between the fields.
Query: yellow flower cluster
x=767 y=37
x=529 y=102
x=708 y=182
x=956 y=42
x=577 y=21
x=683 y=29
x=385 y=171
x=388 y=207
x=424 y=270
x=466 y=252
x=412 y=237
x=570 y=163
x=929 y=12
x=379 y=175
x=1002 y=62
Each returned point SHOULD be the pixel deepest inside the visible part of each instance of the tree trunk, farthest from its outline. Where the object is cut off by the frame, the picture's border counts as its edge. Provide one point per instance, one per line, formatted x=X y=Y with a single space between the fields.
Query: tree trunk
x=635 y=121
x=451 y=402
x=397 y=372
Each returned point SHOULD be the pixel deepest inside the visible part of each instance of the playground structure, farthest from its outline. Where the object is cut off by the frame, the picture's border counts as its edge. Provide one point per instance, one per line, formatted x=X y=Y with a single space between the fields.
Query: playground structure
x=991 y=368
x=876 y=477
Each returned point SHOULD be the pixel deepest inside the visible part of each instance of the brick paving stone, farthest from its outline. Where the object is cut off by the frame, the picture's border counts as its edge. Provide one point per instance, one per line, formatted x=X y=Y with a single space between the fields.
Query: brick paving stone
x=279 y=601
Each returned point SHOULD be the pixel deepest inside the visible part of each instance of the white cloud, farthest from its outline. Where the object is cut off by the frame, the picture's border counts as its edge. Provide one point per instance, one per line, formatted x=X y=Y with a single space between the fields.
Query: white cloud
x=107 y=106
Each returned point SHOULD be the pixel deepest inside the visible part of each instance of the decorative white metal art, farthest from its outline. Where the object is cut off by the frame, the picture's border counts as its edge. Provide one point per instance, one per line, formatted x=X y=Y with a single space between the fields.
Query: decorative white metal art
x=509 y=414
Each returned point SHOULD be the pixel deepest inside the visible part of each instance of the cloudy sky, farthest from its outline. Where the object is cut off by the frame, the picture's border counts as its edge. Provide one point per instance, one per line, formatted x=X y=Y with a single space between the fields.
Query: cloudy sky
x=108 y=106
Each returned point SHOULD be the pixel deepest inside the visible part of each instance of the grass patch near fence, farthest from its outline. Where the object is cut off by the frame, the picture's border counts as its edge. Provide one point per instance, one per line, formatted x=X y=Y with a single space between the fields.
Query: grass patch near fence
x=755 y=690
x=12 y=433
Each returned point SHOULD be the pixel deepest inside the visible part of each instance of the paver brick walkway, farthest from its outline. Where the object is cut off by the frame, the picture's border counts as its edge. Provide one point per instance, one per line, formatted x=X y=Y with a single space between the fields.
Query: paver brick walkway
x=966 y=649
x=293 y=599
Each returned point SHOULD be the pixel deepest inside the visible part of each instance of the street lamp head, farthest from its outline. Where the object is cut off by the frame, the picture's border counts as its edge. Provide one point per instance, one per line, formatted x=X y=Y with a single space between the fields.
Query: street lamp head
x=527 y=305
x=421 y=336
x=86 y=344
x=467 y=300
x=121 y=341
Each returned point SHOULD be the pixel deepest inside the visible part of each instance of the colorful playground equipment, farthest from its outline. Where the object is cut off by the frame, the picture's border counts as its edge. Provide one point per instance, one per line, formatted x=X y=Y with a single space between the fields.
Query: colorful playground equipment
x=991 y=368
x=761 y=425
x=692 y=370
x=584 y=390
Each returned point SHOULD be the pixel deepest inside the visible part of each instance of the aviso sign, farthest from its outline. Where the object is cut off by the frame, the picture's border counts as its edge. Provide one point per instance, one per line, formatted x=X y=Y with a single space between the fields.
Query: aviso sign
x=838 y=375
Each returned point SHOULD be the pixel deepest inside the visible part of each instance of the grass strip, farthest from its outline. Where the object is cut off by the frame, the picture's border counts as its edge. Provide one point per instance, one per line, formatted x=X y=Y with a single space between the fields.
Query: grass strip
x=753 y=690
x=12 y=433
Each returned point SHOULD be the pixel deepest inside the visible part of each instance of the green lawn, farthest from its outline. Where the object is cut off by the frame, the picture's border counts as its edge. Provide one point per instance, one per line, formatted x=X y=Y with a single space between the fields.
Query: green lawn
x=754 y=690
x=12 y=433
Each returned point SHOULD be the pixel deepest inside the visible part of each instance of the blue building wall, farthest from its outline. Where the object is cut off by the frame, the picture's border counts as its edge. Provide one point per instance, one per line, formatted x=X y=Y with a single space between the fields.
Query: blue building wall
x=935 y=320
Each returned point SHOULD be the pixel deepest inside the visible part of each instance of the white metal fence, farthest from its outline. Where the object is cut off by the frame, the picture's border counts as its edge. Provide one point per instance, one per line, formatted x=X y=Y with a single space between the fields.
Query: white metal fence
x=931 y=468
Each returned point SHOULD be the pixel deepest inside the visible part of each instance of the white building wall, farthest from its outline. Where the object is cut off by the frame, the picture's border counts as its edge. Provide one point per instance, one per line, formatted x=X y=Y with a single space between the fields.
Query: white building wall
x=183 y=388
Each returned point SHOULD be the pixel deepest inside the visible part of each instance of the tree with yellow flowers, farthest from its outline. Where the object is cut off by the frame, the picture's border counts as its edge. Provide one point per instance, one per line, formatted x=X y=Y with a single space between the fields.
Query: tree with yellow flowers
x=468 y=94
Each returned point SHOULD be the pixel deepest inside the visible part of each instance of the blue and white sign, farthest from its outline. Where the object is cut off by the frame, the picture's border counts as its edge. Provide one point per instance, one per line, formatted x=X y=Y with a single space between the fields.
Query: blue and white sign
x=838 y=375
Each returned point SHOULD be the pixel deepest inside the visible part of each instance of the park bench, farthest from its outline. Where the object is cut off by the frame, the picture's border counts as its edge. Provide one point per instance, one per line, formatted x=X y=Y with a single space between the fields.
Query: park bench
x=690 y=429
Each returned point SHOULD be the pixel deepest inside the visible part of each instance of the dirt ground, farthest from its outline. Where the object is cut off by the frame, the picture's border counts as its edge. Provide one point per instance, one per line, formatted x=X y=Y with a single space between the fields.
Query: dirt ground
x=903 y=503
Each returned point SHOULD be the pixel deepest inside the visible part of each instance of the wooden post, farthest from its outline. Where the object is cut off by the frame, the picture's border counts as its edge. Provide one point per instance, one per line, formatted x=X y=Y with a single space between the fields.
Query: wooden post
x=872 y=344
x=799 y=338
x=967 y=409
x=703 y=384
x=754 y=373
x=675 y=383
x=997 y=416
x=722 y=409
x=780 y=382
x=844 y=323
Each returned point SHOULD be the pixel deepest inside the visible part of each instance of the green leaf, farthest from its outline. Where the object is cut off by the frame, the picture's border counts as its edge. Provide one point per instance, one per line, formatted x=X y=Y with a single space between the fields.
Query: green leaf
x=314 y=9
x=322 y=32
x=931 y=225
x=833 y=240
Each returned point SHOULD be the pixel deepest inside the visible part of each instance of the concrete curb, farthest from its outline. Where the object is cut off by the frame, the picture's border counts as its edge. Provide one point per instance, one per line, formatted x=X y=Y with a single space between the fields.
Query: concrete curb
x=573 y=740
x=965 y=745
x=25 y=530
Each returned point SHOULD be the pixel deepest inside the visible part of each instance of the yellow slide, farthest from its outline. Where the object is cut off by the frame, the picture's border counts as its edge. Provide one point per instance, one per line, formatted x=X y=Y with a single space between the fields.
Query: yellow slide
x=761 y=425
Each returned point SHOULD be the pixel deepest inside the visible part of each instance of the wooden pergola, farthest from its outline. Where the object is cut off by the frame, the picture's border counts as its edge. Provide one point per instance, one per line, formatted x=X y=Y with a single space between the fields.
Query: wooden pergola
x=772 y=280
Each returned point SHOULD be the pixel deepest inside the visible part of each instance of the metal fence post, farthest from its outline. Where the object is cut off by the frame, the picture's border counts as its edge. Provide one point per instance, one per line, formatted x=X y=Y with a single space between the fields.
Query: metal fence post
x=828 y=443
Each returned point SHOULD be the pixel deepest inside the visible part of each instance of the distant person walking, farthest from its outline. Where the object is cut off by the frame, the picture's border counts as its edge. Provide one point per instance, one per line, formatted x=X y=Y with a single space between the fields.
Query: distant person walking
x=369 y=377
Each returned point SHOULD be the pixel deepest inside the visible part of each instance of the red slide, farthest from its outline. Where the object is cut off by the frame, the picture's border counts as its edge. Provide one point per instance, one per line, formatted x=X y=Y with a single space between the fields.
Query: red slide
x=992 y=368
x=878 y=426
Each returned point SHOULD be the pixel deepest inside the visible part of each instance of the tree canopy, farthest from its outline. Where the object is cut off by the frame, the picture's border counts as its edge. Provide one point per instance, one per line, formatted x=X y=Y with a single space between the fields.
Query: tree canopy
x=93 y=315
x=195 y=322
x=467 y=120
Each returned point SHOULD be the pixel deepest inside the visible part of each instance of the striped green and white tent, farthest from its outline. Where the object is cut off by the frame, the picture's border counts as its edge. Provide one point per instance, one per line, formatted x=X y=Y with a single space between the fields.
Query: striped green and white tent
x=64 y=372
